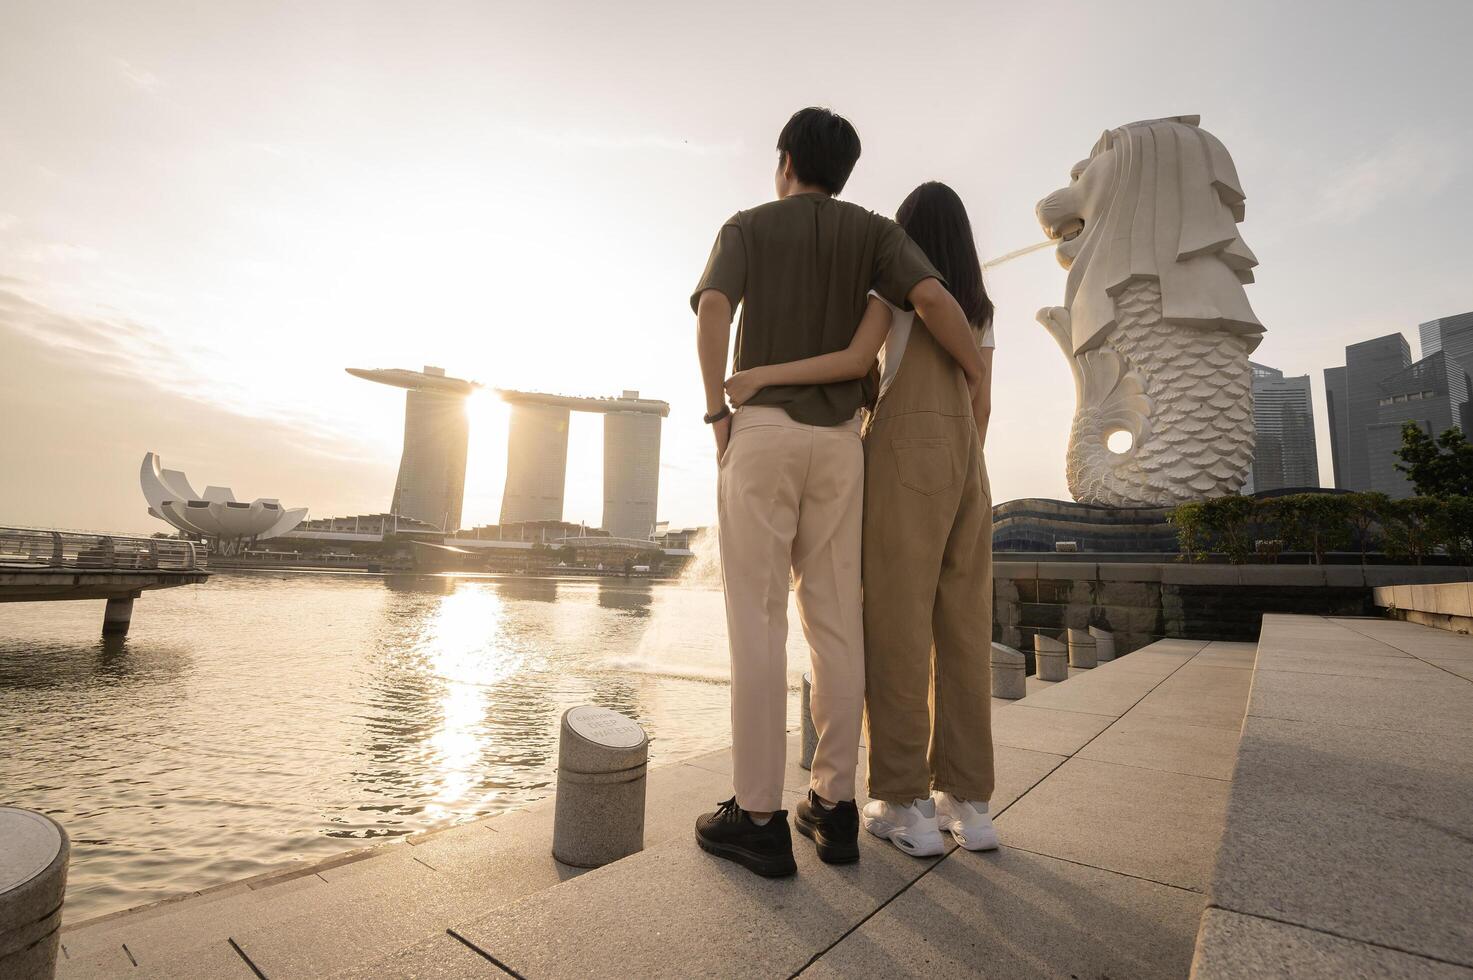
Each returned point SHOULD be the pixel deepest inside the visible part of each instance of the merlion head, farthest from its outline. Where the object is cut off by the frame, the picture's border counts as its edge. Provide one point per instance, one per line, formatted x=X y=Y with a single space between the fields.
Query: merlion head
x=1158 y=199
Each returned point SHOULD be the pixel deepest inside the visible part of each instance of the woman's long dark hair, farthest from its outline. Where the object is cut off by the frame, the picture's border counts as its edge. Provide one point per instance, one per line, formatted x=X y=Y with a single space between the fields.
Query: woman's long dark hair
x=936 y=220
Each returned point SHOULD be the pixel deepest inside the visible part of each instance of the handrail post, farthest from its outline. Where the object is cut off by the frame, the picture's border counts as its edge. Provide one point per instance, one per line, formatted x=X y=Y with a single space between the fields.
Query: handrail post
x=58 y=554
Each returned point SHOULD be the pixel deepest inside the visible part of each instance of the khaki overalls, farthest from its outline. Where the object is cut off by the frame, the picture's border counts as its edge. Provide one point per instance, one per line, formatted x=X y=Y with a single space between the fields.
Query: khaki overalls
x=927 y=585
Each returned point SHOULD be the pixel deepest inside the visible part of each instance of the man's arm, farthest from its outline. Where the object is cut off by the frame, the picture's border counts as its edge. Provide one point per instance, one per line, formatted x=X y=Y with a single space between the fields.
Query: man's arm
x=939 y=311
x=713 y=342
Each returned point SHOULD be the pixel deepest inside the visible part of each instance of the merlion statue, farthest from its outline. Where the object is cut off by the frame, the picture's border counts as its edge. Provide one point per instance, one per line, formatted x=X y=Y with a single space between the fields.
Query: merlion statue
x=1155 y=321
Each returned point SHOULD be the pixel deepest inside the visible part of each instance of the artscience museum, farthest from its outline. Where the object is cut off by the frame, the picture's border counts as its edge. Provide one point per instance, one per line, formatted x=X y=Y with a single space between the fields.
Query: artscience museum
x=215 y=516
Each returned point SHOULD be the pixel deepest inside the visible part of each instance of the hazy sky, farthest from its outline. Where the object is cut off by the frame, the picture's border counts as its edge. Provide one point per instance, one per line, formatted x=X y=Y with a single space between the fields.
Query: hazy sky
x=208 y=210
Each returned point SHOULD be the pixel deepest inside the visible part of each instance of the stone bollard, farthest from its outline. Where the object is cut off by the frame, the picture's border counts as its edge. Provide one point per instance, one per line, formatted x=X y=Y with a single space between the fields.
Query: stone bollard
x=1050 y=658
x=1104 y=644
x=810 y=734
x=33 y=862
x=1082 y=649
x=599 y=814
x=1009 y=672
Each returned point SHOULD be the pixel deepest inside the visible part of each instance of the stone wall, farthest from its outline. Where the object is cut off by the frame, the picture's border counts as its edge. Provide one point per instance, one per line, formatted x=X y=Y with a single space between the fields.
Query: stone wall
x=1142 y=602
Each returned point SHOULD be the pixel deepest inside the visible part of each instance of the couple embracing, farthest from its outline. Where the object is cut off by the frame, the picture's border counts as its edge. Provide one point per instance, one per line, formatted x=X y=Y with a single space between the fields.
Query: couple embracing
x=886 y=533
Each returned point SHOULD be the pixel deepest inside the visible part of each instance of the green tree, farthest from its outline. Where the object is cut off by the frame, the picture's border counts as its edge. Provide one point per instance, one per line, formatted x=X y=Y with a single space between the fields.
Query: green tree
x=1412 y=527
x=1313 y=522
x=1191 y=530
x=1365 y=517
x=1441 y=467
x=1453 y=524
x=1230 y=519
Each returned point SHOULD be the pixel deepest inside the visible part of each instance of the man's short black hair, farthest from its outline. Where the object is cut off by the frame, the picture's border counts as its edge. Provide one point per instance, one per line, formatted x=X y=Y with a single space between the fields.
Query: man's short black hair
x=823 y=147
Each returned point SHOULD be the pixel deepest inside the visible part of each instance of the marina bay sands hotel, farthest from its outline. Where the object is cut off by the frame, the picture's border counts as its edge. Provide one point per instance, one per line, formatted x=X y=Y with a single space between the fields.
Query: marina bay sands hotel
x=431 y=483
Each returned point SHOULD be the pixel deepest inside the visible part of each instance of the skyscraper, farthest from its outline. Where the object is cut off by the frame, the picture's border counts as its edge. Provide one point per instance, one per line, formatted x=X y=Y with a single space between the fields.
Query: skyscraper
x=1452 y=335
x=537 y=458
x=1337 y=413
x=1430 y=393
x=1283 y=424
x=631 y=472
x=431 y=482
x=1366 y=365
x=537 y=463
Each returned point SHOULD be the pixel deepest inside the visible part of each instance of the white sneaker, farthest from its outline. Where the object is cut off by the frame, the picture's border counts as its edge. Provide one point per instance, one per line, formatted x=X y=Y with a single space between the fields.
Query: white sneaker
x=968 y=822
x=911 y=828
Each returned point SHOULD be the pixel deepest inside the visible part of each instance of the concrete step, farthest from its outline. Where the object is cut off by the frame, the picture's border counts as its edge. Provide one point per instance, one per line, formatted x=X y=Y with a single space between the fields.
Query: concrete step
x=1346 y=851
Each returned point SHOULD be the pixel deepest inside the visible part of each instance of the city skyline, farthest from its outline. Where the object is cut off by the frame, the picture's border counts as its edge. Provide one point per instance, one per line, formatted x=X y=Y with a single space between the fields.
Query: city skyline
x=1380 y=388
x=173 y=183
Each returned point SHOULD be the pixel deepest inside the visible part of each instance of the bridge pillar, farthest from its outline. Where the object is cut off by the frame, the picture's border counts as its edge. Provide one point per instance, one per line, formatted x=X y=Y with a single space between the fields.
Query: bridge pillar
x=117 y=615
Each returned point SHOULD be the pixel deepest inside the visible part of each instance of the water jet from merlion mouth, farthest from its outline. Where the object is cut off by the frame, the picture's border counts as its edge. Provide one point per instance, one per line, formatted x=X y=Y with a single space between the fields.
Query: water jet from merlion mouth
x=1017 y=253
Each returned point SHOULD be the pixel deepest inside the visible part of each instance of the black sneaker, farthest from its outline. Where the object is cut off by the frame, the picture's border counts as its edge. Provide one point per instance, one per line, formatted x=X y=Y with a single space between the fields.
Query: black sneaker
x=834 y=830
x=730 y=833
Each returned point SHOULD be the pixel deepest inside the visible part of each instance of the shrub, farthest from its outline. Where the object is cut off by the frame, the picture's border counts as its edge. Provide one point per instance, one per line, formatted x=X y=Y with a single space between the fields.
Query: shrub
x=1230 y=519
x=1411 y=528
x=1191 y=530
x=1312 y=522
x=1365 y=517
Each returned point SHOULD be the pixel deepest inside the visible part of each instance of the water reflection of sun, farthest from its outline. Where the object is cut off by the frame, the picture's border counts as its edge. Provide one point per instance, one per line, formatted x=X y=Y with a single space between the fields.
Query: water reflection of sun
x=463 y=646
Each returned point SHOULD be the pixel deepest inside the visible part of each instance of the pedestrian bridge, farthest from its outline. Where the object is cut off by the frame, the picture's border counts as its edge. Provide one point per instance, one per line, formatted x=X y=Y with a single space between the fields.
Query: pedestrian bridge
x=39 y=565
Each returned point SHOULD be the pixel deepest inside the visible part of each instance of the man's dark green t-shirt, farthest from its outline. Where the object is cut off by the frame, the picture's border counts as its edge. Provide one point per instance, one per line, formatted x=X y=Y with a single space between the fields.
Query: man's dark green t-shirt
x=802 y=268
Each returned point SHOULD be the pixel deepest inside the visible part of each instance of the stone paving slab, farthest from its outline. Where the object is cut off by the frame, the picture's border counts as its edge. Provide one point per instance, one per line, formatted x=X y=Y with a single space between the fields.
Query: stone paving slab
x=1101 y=692
x=1433 y=706
x=675 y=911
x=168 y=932
x=796 y=779
x=1017 y=772
x=1412 y=639
x=438 y=957
x=1458 y=668
x=1348 y=663
x=1225 y=653
x=1010 y=914
x=1161 y=826
x=1158 y=666
x=1204 y=705
x=1231 y=946
x=215 y=960
x=1023 y=726
x=1355 y=831
x=1151 y=742
x=394 y=904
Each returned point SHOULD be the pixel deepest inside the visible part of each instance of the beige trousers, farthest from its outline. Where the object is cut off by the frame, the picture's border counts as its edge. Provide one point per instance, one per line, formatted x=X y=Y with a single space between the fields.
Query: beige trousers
x=927 y=585
x=791 y=498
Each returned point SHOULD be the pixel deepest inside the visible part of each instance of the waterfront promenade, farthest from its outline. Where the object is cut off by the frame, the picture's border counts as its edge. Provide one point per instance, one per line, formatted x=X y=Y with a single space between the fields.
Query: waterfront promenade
x=493 y=885
x=1115 y=788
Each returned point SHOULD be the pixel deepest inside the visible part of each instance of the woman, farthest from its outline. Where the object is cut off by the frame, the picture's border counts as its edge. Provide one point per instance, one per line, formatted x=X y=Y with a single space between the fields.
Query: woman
x=927 y=548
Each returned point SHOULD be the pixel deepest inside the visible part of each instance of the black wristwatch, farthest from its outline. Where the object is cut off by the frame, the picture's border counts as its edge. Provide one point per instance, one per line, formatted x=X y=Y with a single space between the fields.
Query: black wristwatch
x=723 y=412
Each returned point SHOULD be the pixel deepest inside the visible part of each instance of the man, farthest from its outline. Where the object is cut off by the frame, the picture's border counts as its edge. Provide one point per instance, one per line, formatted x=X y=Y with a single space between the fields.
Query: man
x=792 y=475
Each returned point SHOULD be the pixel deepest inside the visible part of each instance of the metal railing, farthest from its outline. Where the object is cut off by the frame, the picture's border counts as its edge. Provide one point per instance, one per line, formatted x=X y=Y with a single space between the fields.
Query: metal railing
x=36 y=548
